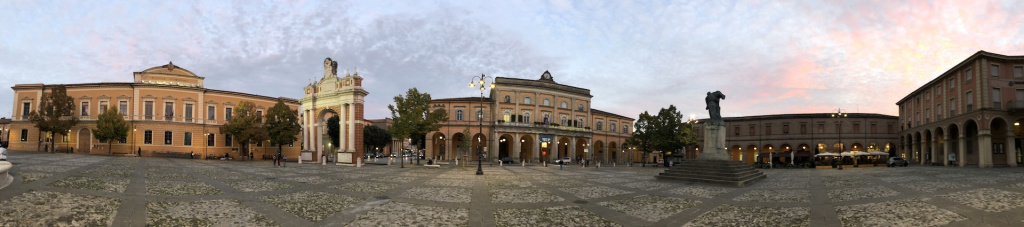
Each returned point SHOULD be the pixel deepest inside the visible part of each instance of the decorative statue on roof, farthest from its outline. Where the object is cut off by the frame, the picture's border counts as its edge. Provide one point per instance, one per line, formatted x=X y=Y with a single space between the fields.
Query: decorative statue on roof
x=330 y=68
x=713 y=108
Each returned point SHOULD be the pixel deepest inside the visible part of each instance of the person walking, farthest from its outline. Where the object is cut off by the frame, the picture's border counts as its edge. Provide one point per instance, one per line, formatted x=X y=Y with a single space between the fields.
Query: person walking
x=140 y=153
x=952 y=158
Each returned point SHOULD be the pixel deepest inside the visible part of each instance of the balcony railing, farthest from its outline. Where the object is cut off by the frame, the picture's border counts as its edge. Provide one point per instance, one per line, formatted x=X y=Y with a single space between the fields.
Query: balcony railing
x=542 y=125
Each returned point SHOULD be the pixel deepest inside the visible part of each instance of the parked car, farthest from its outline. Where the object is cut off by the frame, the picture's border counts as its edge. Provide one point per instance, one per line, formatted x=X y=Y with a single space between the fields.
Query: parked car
x=564 y=161
x=897 y=161
x=507 y=160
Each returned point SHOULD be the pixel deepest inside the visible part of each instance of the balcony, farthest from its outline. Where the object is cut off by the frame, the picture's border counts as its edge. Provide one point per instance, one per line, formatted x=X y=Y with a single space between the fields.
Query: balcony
x=1015 y=107
x=542 y=125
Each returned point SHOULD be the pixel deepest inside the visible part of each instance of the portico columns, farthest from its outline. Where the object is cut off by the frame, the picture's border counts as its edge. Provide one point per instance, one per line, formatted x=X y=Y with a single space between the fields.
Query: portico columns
x=933 y=150
x=536 y=148
x=517 y=147
x=961 y=151
x=1011 y=149
x=985 y=149
x=945 y=152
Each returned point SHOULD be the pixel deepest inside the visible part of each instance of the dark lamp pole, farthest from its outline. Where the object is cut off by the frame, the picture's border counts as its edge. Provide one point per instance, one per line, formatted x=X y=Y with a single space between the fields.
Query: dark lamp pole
x=839 y=114
x=480 y=149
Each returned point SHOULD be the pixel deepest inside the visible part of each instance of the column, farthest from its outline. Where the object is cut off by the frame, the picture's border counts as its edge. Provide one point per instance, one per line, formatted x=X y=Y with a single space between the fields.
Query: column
x=492 y=150
x=572 y=148
x=1011 y=149
x=351 y=128
x=920 y=151
x=985 y=149
x=342 y=131
x=945 y=151
x=536 y=148
x=933 y=150
x=429 y=144
x=517 y=148
x=305 y=130
x=962 y=151
x=553 y=155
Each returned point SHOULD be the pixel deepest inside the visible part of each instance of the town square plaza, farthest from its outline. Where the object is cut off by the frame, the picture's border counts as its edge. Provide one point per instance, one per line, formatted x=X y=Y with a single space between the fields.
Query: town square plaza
x=93 y=190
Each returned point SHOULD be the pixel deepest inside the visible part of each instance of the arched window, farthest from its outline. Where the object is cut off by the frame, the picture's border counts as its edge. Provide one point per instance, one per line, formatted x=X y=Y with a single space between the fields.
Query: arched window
x=547 y=102
x=580 y=122
x=508 y=99
x=458 y=115
x=612 y=127
x=526 y=117
x=526 y=100
x=506 y=116
x=564 y=120
x=625 y=129
x=565 y=105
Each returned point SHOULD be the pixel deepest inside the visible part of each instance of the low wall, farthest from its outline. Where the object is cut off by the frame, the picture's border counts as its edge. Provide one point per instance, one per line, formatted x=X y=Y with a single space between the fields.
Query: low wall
x=5 y=176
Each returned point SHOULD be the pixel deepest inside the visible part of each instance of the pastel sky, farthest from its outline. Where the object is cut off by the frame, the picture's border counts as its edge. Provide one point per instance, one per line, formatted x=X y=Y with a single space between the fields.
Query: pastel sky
x=768 y=57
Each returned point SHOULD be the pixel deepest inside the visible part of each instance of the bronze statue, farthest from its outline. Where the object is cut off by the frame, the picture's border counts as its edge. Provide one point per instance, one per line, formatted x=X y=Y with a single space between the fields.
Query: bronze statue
x=713 y=109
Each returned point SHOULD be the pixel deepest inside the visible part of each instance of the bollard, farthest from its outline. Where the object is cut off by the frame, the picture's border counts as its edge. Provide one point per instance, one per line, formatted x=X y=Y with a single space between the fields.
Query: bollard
x=359 y=162
x=523 y=162
x=501 y=163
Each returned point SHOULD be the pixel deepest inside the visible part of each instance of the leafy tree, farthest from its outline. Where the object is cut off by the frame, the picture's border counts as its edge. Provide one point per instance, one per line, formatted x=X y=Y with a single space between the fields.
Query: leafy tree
x=375 y=137
x=245 y=126
x=111 y=126
x=671 y=133
x=334 y=129
x=643 y=134
x=55 y=113
x=282 y=125
x=413 y=115
x=466 y=145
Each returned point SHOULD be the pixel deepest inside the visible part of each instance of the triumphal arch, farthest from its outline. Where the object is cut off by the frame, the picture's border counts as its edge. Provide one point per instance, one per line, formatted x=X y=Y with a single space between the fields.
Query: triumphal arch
x=328 y=97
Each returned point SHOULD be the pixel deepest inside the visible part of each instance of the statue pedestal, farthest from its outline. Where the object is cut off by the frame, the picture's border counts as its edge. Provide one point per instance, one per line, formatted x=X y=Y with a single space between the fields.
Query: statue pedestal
x=714 y=166
x=714 y=143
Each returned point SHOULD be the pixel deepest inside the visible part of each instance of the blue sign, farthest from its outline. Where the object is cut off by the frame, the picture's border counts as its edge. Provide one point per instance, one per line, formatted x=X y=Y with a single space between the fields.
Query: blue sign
x=546 y=138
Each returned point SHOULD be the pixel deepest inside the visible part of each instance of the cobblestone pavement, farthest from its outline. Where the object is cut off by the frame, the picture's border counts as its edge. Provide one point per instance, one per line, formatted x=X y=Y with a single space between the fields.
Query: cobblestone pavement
x=89 y=190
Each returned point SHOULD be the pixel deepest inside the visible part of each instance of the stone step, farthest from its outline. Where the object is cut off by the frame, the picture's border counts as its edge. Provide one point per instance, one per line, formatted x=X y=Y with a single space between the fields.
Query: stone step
x=719 y=172
x=734 y=183
x=717 y=175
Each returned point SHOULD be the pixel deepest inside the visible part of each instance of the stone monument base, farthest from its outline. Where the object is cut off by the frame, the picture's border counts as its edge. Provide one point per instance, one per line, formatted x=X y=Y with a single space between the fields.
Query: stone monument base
x=718 y=172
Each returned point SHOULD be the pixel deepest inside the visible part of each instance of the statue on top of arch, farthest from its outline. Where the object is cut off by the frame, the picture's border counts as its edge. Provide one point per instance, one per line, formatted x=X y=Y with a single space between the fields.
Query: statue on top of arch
x=330 y=68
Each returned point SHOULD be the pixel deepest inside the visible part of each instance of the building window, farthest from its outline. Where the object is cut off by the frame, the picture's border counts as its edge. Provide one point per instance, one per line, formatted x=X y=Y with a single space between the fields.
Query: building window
x=565 y=105
x=188 y=139
x=188 y=112
x=997 y=100
x=148 y=138
x=994 y=71
x=938 y=112
x=259 y=143
x=785 y=129
x=210 y=139
x=1018 y=72
x=768 y=130
x=952 y=107
x=821 y=128
x=85 y=108
x=148 y=110
x=952 y=83
x=968 y=76
x=167 y=137
x=526 y=100
x=227 y=114
x=874 y=128
x=526 y=117
x=890 y=129
x=479 y=115
x=599 y=126
x=564 y=120
x=547 y=118
x=103 y=107
x=227 y=140
x=506 y=117
x=803 y=129
x=123 y=107
x=970 y=101
x=751 y=130
x=736 y=130
x=547 y=102
x=579 y=107
x=24 y=135
x=839 y=128
x=625 y=129
x=458 y=115
x=26 y=109
x=168 y=111
x=508 y=99
x=211 y=113
x=612 y=127
x=856 y=128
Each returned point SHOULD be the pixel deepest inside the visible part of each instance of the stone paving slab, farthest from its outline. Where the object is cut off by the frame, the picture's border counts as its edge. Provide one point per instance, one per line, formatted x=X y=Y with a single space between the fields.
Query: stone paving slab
x=96 y=190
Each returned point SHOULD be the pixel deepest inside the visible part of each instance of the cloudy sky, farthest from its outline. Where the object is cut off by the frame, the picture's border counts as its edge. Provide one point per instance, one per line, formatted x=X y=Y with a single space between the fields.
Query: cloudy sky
x=768 y=57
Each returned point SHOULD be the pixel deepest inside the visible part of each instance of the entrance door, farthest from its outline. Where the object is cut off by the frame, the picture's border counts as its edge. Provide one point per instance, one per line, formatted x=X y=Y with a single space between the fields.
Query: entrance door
x=84 y=139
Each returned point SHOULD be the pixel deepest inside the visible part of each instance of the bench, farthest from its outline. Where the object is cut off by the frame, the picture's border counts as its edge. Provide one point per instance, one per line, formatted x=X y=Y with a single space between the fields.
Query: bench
x=432 y=166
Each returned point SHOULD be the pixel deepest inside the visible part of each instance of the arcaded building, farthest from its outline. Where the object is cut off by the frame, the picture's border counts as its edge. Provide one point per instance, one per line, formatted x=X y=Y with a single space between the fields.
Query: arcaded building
x=531 y=120
x=972 y=111
x=166 y=107
x=801 y=136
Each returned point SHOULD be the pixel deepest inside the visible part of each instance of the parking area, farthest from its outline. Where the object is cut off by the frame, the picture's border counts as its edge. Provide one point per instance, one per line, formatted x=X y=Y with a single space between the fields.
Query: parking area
x=55 y=189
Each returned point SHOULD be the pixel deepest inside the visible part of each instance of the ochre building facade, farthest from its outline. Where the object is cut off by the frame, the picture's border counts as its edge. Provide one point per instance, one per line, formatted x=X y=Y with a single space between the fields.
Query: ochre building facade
x=167 y=110
x=532 y=121
x=969 y=115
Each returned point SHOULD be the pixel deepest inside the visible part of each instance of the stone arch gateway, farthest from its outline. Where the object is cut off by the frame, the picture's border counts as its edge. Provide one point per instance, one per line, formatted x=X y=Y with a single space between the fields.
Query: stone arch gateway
x=341 y=95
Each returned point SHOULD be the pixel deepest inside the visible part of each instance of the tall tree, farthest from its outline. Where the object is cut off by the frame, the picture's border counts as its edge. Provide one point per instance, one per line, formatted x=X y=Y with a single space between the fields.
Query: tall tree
x=671 y=133
x=245 y=126
x=643 y=133
x=282 y=125
x=334 y=129
x=55 y=113
x=413 y=115
x=110 y=126
x=375 y=137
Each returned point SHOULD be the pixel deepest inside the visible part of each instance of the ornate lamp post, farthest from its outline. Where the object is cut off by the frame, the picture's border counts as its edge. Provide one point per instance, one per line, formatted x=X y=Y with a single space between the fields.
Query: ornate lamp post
x=839 y=114
x=206 y=149
x=480 y=149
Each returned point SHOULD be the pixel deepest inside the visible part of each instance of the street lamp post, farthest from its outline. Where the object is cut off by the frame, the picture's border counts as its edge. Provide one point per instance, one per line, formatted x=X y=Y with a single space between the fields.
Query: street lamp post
x=132 y=149
x=206 y=149
x=839 y=114
x=480 y=149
